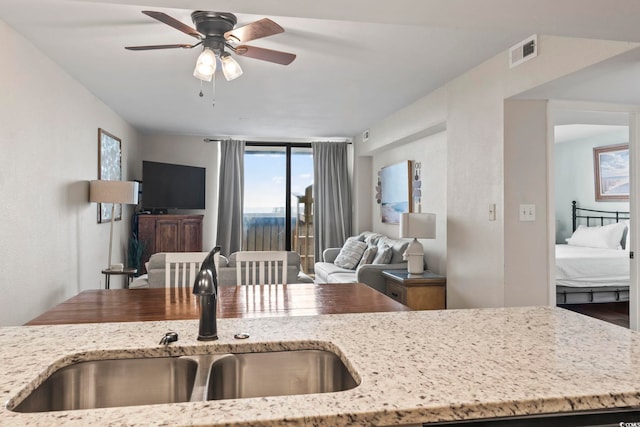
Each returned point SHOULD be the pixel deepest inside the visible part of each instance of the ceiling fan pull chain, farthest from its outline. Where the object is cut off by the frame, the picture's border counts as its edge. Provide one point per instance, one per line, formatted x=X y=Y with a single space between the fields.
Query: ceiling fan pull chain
x=201 y=93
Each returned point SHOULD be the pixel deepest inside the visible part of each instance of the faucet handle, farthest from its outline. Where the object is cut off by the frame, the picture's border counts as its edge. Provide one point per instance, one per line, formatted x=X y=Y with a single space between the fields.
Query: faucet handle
x=168 y=338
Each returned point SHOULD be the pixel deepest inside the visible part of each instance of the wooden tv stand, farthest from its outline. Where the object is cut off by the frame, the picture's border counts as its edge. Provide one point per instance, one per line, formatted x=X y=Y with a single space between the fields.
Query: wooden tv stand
x=169 y=233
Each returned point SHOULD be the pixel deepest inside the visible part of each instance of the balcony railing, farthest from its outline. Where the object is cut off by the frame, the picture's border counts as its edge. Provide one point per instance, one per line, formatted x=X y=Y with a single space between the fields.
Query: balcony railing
x=266 y=232
x=263 y=232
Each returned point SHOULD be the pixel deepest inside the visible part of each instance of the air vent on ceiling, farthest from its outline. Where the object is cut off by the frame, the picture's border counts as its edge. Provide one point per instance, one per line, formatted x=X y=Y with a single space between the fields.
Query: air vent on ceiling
x=523 y=51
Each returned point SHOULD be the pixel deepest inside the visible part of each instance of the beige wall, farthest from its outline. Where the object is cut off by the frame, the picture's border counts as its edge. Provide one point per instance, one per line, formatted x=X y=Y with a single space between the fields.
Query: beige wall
x=191 y=151
x=475 y=250
x=525 y=243
x=52 y=246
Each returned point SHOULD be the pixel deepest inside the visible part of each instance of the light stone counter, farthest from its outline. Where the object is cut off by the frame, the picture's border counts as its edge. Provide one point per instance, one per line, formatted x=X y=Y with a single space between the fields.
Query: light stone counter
x=414 y=367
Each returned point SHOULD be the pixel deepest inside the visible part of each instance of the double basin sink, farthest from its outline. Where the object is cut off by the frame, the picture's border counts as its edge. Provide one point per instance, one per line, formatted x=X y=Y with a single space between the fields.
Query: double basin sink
x=157 y=380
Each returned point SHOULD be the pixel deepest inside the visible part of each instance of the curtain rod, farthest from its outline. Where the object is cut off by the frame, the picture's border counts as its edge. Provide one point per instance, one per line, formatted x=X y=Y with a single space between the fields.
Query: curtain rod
x=279 y=141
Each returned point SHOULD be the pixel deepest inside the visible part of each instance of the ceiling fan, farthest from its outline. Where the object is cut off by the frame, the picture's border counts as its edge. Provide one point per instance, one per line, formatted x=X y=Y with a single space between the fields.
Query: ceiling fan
x=216 y=32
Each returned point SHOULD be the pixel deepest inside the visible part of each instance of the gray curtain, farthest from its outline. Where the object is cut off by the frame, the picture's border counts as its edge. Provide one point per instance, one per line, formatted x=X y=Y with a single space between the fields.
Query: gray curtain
x=230 y=196
x=332 y=210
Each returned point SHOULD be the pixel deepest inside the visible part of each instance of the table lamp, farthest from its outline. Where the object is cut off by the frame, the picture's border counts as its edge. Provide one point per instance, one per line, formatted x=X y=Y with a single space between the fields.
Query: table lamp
x=416 y=226
x=103 y=191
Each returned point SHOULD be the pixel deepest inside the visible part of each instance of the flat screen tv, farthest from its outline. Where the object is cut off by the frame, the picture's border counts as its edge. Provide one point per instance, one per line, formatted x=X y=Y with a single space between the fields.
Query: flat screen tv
x=169 y=186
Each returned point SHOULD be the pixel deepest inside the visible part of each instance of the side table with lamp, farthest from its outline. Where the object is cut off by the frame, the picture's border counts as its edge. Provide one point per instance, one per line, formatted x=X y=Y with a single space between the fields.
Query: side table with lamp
x=415 y=287
x=114 y=192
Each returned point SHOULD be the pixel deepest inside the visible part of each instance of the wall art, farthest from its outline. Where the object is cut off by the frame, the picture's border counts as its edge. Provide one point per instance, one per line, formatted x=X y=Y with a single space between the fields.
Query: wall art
x=396 y=196
x=611 y=171
x=109 y=169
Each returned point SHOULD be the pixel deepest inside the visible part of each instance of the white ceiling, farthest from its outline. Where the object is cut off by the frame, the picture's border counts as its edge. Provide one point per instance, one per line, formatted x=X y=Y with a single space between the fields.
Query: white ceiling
x=358 y=60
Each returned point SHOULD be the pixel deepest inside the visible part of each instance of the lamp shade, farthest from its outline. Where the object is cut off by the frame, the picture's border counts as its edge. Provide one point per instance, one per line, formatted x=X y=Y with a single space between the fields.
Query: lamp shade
x=102 y=191
x=418 y=225
x=230 y=67
x=205 y=65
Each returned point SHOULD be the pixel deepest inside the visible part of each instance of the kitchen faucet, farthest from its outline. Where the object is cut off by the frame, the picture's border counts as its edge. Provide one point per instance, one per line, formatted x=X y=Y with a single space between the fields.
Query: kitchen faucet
x=206 y=288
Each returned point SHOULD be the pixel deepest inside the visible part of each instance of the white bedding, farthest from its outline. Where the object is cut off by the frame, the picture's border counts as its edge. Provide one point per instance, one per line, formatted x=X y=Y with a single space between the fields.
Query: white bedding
x=579 y=266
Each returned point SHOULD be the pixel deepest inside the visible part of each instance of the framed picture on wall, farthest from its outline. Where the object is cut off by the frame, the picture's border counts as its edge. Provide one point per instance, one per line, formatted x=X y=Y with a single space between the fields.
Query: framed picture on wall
x=109 y=169
x=396 y=198
x=611 y=171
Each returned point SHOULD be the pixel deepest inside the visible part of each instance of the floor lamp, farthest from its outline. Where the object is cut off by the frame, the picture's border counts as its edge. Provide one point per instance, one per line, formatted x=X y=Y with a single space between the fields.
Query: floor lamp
x=416 y=226
x=113 y=192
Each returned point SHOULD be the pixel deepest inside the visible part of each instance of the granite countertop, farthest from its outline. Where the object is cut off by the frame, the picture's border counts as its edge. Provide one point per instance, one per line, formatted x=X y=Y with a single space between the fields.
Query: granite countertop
x=414 y=367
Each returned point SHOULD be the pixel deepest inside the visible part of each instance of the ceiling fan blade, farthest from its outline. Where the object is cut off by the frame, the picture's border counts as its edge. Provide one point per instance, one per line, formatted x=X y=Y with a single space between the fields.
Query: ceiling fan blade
x=166 y=19
x=262 y=28
x=162 y=46
x=276 y=56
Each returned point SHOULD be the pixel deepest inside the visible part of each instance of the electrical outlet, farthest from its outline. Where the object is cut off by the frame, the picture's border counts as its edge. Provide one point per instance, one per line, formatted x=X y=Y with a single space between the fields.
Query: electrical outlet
x=527 y=212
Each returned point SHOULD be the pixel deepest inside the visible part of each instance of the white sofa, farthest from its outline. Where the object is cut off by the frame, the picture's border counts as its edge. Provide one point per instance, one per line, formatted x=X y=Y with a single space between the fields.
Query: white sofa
x=155 y=277
x=370 y=274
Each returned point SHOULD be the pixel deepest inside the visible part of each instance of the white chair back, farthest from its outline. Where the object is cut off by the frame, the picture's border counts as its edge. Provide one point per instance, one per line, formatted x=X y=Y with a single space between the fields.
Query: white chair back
x=181 y=268
x=261 y=268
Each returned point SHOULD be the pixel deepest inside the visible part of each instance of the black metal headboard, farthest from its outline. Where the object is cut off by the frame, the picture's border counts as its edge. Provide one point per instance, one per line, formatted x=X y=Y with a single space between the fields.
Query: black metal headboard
x=595 y=215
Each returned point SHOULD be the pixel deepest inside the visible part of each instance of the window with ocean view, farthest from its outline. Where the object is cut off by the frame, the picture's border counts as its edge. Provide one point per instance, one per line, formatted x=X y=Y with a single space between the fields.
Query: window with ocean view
x=278 y=182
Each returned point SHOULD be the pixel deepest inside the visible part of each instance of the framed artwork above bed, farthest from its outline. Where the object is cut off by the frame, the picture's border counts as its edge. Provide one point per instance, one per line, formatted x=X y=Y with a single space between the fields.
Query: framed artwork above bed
x=611 y=171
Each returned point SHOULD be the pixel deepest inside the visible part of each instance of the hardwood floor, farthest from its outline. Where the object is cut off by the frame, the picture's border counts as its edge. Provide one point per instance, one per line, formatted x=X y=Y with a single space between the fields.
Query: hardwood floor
x=612 y=312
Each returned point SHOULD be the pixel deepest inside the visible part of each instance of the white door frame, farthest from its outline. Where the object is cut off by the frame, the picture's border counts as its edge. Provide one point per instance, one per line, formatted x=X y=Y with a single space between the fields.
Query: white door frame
x=634 y=203
x=634 y=208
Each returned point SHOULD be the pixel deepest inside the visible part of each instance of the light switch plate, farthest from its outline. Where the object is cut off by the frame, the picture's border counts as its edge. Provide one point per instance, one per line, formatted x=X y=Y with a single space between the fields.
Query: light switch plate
x=492 y=211
x=527 y=212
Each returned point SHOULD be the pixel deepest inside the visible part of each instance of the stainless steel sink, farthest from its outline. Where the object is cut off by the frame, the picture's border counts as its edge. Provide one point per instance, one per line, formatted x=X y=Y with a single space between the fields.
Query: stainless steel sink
x=117 y=382
x=146 y=381
x=277 y=374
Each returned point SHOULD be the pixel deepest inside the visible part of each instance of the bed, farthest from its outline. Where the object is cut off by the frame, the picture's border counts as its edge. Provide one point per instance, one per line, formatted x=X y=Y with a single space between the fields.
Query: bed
x=586 y=274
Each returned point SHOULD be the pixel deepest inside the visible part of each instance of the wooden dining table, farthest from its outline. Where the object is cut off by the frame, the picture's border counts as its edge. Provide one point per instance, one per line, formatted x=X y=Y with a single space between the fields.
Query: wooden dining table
x=298 y=299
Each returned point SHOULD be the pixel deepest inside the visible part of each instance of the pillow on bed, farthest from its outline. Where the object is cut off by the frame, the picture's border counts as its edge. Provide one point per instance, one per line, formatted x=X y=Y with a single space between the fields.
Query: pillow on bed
x=607 y=236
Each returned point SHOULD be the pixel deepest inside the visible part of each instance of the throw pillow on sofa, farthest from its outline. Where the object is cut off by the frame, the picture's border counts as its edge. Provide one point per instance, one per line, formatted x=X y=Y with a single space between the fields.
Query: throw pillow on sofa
x=373 y=238
x=384 y=255
x=350 y=254
x=368 y=255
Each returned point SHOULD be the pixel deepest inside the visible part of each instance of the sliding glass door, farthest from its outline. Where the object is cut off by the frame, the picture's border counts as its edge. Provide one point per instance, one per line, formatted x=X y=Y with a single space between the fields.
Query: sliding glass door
x=278 y=182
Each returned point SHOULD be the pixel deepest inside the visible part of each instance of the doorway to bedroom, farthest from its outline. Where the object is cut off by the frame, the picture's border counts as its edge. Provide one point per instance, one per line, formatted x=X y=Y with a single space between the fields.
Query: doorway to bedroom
x=591 y=192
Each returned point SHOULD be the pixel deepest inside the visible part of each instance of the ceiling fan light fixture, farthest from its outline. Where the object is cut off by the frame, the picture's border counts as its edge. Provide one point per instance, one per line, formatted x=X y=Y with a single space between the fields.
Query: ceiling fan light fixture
x=230 y=67
x=205 y=65
x=216 y=31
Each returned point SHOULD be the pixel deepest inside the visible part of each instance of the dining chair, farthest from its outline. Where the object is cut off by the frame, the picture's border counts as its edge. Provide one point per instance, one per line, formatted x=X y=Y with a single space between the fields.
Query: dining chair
x=181 y=268
x=261 y=268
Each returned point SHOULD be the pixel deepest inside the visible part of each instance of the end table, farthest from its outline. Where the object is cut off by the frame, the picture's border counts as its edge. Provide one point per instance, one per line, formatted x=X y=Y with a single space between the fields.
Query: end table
x=426 y=291
x=129 y=272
